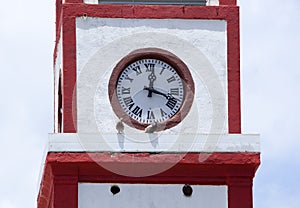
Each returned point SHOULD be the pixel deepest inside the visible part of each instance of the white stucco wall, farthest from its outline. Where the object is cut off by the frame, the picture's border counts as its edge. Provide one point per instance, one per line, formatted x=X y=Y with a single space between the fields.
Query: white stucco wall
x=201 y=44
x=151 y=196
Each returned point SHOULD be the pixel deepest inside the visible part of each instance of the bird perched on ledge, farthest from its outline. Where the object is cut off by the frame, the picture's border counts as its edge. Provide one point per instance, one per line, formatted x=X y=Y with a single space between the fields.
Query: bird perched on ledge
x=151 y=128
x=120 y=126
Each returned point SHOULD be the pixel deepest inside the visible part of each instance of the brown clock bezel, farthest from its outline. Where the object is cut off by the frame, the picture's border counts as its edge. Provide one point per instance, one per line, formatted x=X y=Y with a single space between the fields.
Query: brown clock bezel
x=172 y=60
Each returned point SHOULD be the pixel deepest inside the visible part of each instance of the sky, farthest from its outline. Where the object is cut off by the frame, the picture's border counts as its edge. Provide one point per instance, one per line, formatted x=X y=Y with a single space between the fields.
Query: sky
x=270 y=71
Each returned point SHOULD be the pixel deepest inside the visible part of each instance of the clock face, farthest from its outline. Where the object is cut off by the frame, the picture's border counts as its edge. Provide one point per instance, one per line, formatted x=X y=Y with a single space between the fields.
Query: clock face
x=150 y=90
x=149 y=86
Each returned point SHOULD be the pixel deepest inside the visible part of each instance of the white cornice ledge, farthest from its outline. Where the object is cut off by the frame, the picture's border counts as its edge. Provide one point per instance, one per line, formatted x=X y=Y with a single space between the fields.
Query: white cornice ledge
x=157 y=142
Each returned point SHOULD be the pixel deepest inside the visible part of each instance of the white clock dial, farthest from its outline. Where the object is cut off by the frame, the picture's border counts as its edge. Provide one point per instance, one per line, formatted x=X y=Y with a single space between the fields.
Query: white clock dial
x=150 y=90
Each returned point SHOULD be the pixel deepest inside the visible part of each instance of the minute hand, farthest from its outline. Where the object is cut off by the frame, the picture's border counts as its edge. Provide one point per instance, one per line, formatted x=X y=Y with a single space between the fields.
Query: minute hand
x=151 y=89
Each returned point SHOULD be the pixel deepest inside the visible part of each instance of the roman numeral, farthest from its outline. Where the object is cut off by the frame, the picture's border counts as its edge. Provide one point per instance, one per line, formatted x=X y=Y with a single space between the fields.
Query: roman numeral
x=138 y=70
x=162 y=70
x=125 y=90
x=171 y=103
x=163 y=113
x=174 y=91
x=137 y=111
x=127 y=101
x=149 y=67
x=128 y=78
x=150 y=115
x=171 y=79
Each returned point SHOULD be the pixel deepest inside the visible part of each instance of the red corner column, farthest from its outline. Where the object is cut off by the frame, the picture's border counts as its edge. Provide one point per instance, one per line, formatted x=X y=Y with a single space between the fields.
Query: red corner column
x=65 y=187
x=233 y=37
x=233 y=53
x=69 y=68
x=240 y=192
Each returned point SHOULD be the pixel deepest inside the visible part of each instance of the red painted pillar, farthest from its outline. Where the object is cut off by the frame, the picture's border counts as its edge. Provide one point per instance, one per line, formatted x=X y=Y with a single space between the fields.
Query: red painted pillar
x=69 y=73
x=65 y=193
x=240 y=192
x=233 y=64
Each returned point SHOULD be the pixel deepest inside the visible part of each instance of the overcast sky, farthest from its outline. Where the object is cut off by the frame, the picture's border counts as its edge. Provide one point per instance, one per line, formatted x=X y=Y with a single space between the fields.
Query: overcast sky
x=270 y=70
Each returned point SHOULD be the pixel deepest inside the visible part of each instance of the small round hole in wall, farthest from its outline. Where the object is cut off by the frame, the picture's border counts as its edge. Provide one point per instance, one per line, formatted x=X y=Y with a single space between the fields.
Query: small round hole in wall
x=187 y=190
x=115 y=189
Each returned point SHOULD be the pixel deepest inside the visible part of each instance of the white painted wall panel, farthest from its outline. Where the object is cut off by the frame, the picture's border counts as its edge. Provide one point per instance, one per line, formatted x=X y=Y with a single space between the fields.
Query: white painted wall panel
x=201 y=44
x=151 y=196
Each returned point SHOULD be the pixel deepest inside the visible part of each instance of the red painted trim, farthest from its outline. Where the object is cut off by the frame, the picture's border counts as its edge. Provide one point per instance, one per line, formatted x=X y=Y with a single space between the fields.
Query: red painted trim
x=73 y=1
x=150 y=11
x=221 y=2
x=238 y=158
x=46 y=188
x=233 y=169
x=69 y=73
x=65 y=193
x=58 y=16
x=57 y=29
x=227 y=2
x=233 y=53
x=57 y=38
x=228 y=13
x=240 y=192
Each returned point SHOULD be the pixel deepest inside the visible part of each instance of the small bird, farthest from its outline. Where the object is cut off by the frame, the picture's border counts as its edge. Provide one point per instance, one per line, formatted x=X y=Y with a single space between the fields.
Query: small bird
x=151 y=128
x=120 y=126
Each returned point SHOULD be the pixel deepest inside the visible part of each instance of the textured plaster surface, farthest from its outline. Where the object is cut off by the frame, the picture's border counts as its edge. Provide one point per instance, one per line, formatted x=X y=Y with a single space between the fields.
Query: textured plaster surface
x=201 y=44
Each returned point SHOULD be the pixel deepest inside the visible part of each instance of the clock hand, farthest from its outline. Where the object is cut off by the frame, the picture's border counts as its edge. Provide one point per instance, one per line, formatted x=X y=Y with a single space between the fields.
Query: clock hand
x=151 y=78
x=166 y=95
x=151 y=89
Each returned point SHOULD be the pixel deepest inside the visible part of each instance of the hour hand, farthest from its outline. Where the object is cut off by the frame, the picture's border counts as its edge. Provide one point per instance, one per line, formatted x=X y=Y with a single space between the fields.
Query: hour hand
x=151 y=89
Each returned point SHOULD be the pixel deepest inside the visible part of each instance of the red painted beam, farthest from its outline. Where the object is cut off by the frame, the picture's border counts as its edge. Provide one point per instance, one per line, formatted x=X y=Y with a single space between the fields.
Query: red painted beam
x=236 y=170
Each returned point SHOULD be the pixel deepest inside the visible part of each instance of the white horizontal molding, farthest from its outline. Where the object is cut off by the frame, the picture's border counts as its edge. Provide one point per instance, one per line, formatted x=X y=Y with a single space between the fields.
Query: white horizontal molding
x=156 y=142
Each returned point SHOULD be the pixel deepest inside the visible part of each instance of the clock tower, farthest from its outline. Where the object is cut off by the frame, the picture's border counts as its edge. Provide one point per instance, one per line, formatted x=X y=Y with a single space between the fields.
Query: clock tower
x=147 y=101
